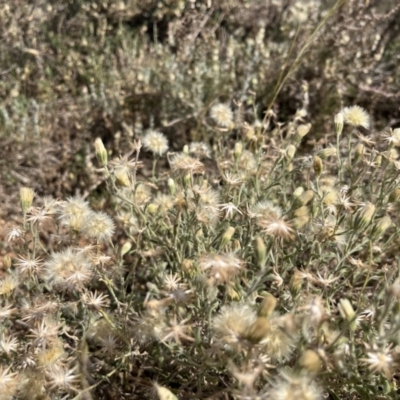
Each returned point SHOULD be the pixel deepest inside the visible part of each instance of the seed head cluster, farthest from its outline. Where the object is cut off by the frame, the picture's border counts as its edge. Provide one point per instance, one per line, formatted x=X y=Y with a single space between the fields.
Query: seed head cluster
x=241 y=266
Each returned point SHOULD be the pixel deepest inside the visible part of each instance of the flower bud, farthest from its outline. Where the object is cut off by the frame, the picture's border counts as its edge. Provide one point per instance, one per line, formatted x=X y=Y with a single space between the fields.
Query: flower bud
x=7 y=262
x=395 y=195
x=26 y=198
x=364 y=217
x=339 y=123
x=300 y=222
x=328 y=152
x=258 y=330
x=318 y=166
x=171 y=186
x=290 y=152
x=310 y=361
x=121 y=177
x=236 y=245
x=268 y=306
x=359 y=152
x=187 y=265
x=101 y=152
x=164 y=393
x=125 y=248
x=152 y=208
x=306 y=197
x=227 y=236
x=380 y=226
x=347 y=312
x=261 y=251
x=296 y=282
x=302 y=130
x=238 y=150
x=298 y=192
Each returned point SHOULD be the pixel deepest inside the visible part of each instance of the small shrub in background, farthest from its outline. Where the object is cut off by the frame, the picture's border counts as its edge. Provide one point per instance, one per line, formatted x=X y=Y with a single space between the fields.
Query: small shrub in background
x=223 y=219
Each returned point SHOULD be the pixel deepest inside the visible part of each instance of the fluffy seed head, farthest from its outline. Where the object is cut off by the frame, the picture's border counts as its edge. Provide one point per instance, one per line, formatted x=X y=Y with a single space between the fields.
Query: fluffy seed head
x=200 y=149
x=8 y=383
x=155 y=142
x=222 y=115
x=279 y=228
x=74 y=212
x=232 y=323
x=278 y=344
x=221 y=266
x=356 y=116
x=99 y=226
x=184 y=164
x=68 y=270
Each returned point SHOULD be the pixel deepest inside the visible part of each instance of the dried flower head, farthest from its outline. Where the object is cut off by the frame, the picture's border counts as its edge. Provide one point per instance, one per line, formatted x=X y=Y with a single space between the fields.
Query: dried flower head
x=184 y=164
x=279 y=228
x=68 y=270
x=232 y=323
x=177 y=331
x=291 y=387
x=155 y=142
x=265 y=210
x=61 y=378
x=74 y=212
x=200 y=149
x=98 y=226
x=8 y=383
x=222 y=115
x=279 y=342
x=8 y=344
x=94 y=300
x=8 y=285
x=356 y=116
x=222 y=267
x=380 y=361
x=29 y=265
